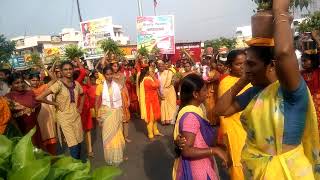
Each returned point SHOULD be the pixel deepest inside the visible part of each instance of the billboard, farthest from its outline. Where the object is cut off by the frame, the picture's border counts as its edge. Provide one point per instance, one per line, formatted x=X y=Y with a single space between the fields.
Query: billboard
x=193 y=48
x=94 y=31
x=156 y=31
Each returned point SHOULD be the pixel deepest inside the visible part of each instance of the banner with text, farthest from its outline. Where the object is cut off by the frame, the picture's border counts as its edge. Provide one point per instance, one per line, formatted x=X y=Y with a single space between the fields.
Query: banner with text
x=94 y=31
x=156 y=31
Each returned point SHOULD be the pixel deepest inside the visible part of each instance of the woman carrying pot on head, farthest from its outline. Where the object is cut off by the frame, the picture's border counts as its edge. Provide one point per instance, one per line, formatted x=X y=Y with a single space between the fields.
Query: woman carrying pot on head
x=278 y=111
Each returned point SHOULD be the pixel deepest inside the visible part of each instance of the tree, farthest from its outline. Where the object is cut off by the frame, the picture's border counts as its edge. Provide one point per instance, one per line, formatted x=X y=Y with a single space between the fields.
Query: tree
x=6 y=49
x=72 y=52
x=311 y=23
x=267 y=4
x=230 y=43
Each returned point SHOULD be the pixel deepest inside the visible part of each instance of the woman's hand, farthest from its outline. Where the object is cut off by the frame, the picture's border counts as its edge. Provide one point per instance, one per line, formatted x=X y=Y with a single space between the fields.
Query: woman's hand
x=180 y=142
x=281 y=5
x=221 y=154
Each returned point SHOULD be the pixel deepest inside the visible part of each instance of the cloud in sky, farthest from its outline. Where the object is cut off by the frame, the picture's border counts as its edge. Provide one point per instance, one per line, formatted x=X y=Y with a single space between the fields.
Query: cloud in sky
x=194 y=19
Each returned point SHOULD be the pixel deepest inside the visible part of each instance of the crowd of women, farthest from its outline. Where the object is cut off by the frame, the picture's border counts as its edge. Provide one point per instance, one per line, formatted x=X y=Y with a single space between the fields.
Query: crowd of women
x=252 y=108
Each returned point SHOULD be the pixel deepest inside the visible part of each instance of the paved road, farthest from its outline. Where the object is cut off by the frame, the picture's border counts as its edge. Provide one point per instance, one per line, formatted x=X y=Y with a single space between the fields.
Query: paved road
x=147 y=159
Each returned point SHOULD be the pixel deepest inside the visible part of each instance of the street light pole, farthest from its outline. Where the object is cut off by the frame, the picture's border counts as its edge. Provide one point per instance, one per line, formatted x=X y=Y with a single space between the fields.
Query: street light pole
x=140 y=8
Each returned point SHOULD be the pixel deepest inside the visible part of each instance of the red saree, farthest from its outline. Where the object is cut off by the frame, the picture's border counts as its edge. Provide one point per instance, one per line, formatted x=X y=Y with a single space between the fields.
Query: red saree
x=312 y=79
x=25 y=110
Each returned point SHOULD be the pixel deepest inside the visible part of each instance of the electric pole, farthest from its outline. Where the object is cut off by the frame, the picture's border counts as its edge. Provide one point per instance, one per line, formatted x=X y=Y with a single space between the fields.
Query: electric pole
x=140 y=8
x=79 y=13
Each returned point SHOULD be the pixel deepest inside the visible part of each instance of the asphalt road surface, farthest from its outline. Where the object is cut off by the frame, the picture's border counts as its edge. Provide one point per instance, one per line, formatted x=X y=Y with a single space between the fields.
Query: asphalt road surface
x=147 y=160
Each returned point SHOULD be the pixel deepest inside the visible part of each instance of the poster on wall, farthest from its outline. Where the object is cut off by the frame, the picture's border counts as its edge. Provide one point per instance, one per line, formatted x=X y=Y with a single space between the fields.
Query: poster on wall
x=156 y=31
x=94 y=31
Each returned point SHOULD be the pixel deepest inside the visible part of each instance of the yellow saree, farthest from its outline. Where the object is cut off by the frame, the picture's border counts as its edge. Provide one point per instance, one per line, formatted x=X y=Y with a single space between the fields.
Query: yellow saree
x=262 y=156
x=112 y=132
x=168 y=104
x=211 y=98
x=234 y=135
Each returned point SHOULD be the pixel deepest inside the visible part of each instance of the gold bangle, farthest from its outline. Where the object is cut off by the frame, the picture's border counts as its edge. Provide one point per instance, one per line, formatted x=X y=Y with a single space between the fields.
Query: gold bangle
x=211 y=151
x=275 y=19
x=281 y=21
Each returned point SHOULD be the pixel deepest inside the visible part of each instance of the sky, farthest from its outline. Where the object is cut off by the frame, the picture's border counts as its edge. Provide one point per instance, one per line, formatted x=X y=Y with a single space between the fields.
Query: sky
x=195 y=20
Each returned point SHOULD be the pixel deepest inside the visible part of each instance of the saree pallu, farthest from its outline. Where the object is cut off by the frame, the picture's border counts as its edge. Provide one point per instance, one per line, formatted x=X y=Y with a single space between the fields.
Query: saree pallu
x=262 y=155
x=125 y=104
x=316 y=100
x=168 y=105
x=5 y=114
x=231 y=131
x=312 y=79
x=211 y=98
x=47 y=124
x=112 y=136
x=182 y=168
x=149 y=100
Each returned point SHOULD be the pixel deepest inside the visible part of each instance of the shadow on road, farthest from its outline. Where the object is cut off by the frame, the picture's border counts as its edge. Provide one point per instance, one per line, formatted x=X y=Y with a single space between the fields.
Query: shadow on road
x=139 y=125
x=157 y=161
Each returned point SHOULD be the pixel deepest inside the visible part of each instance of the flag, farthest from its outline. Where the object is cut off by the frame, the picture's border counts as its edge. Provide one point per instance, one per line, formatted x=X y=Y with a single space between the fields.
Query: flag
x=155 y=3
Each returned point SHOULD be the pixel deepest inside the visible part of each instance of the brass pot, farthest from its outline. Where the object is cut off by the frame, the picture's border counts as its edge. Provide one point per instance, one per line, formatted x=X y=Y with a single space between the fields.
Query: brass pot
x=262 y=24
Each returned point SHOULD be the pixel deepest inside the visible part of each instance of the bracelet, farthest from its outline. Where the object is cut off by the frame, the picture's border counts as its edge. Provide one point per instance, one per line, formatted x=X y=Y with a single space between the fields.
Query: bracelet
x=281 y=21
x=275 y=19
x=211 y=151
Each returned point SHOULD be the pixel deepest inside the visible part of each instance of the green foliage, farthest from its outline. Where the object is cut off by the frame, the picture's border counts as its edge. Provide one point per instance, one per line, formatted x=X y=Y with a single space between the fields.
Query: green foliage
x=22 y=161
x=155 y=51
x=103 y=174
x=6 y=49
x=72 y=51
x=35 y=59
x=311 y=23
x=267 y=4
x=143 y=51
x=230 y=43
x=110 y=47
